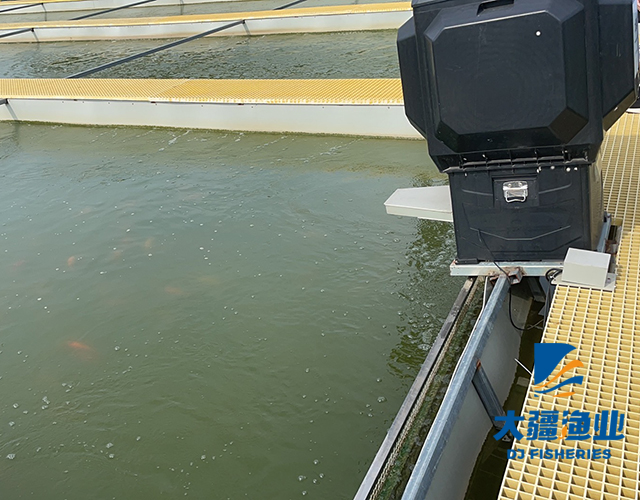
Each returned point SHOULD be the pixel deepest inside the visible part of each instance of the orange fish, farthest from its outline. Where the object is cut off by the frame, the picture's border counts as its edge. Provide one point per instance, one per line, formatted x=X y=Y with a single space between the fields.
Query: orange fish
x=116 y=254
x=174 y=290
x=81 y=350
x=18 y=264
x=71 y=261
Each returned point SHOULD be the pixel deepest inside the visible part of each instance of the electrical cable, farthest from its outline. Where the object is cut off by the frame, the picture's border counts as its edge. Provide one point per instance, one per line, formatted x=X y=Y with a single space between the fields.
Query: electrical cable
x=495 y=263
x=555 y=271
x=550 y=275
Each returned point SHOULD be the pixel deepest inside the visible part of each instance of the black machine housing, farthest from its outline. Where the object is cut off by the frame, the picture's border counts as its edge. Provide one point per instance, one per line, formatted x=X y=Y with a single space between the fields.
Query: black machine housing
x=520 y=91
x=563 y=208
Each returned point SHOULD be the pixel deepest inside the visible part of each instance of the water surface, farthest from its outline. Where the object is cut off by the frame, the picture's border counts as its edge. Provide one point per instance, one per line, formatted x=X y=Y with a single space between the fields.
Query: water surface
x=204 y=314
x=369 y=54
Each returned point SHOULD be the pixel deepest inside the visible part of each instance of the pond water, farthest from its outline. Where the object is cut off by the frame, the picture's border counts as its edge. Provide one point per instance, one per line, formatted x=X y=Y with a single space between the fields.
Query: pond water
x=205 y=314
x=370 y=54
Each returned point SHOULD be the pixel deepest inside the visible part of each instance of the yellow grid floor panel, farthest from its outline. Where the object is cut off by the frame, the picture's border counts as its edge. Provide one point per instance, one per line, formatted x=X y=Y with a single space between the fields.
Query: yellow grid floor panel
x=341 y=92
x=359 y=91
x=89 y=88
x=224 y=17
x=605 y=329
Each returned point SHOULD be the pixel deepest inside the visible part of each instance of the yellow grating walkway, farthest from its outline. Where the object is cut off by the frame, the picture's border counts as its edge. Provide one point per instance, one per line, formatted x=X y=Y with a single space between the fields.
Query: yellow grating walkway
x=347 y=92
x=225 y=17
x=605 y=329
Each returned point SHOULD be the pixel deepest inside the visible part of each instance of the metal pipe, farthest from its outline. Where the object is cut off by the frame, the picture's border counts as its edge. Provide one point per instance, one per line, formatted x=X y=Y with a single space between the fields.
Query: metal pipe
x=168 y=45
x=153 y=51
x=20 y=7
x=289 y=5
x=17 y=32
x=86 y=16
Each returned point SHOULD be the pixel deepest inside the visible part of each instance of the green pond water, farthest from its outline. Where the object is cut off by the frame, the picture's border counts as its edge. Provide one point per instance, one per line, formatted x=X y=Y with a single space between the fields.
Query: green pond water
x=370 y=54
x=206 y=314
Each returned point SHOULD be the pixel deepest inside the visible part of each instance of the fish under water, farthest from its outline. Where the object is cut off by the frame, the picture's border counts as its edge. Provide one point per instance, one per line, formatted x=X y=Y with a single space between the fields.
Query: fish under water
x=174 y=290
x=81 y=350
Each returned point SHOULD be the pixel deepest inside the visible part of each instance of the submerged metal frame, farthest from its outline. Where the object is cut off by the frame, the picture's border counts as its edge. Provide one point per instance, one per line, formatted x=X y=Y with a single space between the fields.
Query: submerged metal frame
x=429 y=366
x=488 y=396
x=431 y=453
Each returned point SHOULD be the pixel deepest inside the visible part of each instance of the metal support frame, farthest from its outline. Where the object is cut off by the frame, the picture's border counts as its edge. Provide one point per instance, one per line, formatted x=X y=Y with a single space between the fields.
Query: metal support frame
x=86 y=16
x=461 y=380
x=170 y=45
x=606 y=227
x=408 y=407
x=108 y=11
x=488 y=396
x=19 y=7
x=133 y=57
x=528 y=268
x=491 y=268
x=17 y=32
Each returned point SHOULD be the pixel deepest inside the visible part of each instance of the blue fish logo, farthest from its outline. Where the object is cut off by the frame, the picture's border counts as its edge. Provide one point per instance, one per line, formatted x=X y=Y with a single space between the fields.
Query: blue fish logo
x=547 y=358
